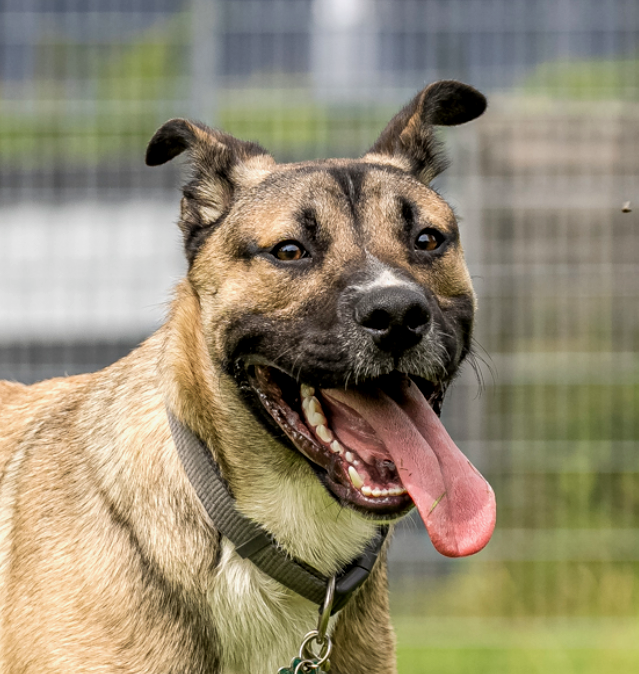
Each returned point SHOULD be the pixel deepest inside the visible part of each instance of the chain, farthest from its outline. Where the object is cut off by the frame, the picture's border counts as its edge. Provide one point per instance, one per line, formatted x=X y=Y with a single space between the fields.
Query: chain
x=308 y=661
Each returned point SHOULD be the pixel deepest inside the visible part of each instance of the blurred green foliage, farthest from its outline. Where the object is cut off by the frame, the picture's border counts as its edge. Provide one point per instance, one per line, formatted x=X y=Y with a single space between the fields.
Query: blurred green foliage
x=569 y=412
x=89 y=104
x=507 y=660
x=596 y=79
x=523 y=589
x=123 y=92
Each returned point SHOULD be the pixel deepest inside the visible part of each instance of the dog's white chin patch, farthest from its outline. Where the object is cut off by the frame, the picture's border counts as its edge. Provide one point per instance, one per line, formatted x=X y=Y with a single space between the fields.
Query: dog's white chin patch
x=455 y=502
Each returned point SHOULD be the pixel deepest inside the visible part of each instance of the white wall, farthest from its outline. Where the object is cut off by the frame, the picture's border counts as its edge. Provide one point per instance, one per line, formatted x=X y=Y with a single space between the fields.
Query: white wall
x=87 y=270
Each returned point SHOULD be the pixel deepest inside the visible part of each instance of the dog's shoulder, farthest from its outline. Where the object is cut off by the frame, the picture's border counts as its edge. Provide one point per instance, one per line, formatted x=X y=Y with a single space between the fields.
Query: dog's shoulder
x=20 y=404
x=10 y=390
x=24 y=410
x=11 y=393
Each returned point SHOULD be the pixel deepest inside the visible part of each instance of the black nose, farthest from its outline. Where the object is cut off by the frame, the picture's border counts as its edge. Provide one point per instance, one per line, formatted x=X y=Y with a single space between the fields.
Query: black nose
x=396 y=317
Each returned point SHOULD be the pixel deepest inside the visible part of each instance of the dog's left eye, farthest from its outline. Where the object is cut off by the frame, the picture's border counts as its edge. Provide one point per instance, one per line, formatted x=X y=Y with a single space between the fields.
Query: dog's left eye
x=288 y=251
x=429 y=239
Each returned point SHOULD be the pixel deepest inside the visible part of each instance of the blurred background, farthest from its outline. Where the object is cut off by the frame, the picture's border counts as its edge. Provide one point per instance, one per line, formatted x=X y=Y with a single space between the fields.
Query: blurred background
x=89 y=252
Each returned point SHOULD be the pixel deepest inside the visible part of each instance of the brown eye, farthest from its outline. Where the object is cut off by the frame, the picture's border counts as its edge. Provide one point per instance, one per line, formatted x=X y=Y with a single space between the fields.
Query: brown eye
x=289 y=251
x=429 y=240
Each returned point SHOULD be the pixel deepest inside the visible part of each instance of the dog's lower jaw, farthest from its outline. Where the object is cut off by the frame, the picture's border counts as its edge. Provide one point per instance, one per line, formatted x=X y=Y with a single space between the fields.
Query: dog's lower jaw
x=277 y=488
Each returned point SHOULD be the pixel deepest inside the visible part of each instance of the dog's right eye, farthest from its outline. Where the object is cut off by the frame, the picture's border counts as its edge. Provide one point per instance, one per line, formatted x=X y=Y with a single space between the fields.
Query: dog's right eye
x=429 y=240
x=289 y=251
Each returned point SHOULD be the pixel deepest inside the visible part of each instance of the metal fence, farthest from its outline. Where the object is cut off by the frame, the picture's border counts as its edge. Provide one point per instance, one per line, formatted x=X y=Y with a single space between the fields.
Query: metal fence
x=89 y=251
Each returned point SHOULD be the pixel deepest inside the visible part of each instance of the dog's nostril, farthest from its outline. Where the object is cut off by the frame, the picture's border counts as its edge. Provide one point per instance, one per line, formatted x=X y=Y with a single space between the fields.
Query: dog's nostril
x=378 y=319
x=416 y=317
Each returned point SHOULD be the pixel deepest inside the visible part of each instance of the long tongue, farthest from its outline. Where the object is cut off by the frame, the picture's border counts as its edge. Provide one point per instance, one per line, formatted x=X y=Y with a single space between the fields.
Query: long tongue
x=454 y=500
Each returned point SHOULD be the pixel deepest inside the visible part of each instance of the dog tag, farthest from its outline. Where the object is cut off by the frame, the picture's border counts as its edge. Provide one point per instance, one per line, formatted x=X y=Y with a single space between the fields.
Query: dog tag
x=305 y=666
x=308 y=662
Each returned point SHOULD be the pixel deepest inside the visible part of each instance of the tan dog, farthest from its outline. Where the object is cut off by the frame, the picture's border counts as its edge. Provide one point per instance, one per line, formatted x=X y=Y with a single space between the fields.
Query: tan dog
x=326 y=302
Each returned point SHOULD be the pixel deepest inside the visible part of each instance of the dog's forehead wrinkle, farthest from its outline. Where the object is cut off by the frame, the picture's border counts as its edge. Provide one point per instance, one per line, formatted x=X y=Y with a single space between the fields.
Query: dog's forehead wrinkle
x=350 y=178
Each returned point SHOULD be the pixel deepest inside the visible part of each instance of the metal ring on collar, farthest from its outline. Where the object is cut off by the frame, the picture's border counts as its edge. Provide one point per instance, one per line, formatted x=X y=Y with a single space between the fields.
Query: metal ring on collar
x=325 y=645
x=325 y=610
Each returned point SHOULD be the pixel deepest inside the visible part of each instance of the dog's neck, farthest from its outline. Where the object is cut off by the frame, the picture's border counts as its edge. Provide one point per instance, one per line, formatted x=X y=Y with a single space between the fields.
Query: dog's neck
x=186 y=375
x=273 y=487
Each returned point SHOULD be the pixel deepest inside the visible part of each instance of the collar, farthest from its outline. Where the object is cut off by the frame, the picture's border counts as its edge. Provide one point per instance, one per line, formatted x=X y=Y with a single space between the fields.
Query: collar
x=252 y=541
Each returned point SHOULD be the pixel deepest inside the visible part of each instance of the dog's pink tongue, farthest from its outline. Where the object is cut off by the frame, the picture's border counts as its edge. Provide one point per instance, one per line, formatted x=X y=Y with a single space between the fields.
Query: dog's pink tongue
x=454 y=500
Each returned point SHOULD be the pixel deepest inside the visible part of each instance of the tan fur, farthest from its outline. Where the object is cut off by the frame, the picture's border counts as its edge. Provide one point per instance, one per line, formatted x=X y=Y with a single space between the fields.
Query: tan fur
x=107 y=560
x=385 y=160
x=94 y=495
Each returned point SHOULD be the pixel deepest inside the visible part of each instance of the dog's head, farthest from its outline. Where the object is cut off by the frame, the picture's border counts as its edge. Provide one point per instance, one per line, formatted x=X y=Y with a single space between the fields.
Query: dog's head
x=336 y=296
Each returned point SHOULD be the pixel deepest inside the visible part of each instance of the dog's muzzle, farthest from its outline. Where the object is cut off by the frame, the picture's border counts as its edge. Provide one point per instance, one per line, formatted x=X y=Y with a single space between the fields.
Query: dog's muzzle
x=396 y=318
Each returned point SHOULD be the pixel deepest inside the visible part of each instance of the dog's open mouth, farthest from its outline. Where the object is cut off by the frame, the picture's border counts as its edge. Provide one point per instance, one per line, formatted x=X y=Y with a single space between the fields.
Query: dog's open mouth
x=379 y=447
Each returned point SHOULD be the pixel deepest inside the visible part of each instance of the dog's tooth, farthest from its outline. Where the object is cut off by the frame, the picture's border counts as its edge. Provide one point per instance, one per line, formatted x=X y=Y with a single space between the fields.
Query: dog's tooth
x=307 y=391
x=314 y=406
x=356 y=478
x=366 y=490
x=336 y=448
x=317 y=419
x=324 y=433
x=314 y=412
x=349 y=457
x=384 y=492
x=377 y=492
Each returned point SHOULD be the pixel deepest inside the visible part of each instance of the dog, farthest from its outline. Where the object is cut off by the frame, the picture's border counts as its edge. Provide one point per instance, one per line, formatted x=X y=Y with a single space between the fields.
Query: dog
x=326 y=308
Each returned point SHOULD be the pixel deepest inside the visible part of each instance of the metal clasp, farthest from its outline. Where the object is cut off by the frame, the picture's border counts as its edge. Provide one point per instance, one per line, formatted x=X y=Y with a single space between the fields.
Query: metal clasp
x=319 y=635
x=308 y=660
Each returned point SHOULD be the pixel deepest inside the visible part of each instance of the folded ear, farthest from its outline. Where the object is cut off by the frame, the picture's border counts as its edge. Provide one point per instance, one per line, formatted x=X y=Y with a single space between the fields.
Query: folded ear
x=220 y=164
x=210 y=149
x=409 y=140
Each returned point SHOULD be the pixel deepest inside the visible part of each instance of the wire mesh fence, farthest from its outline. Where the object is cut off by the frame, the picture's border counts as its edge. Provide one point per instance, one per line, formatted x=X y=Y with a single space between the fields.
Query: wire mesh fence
x=89 y=251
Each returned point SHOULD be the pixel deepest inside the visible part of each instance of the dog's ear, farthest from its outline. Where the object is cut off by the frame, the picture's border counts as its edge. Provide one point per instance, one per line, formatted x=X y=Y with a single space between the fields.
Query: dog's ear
x=210 y=150
x=409 y=139
x=220 y=164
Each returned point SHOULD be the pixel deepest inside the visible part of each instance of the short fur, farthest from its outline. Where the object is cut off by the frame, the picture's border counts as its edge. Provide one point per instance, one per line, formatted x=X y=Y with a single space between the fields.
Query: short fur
x=107 y=560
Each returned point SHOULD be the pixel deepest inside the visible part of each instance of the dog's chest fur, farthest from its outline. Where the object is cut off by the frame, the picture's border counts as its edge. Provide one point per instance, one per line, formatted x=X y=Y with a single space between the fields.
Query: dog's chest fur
x=259 y=623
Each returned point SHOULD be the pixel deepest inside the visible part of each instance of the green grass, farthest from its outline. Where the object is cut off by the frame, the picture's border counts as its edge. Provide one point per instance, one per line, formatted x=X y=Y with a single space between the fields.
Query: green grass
x=516 y=661
x=497 y=646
